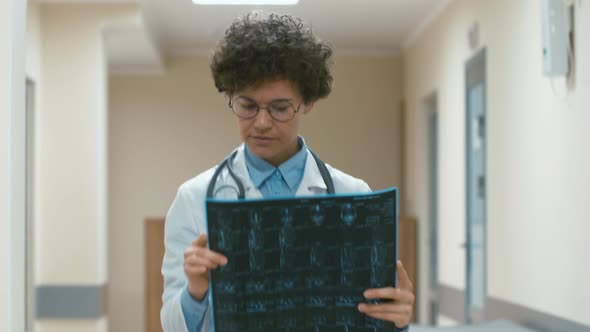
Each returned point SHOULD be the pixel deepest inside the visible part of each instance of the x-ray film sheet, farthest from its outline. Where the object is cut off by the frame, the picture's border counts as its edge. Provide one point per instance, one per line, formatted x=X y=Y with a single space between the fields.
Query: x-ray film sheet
x=301 y=264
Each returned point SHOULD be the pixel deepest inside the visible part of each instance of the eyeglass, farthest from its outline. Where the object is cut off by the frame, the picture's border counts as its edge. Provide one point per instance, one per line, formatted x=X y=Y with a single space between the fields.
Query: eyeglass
x=280 y=110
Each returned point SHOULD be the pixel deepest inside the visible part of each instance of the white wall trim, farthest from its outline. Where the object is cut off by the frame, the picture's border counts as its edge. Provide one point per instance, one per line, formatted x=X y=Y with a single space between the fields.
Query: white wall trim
x=17 y=171
x=86 y=2
x=14 y=167
x=5 y=15
x=422 y=26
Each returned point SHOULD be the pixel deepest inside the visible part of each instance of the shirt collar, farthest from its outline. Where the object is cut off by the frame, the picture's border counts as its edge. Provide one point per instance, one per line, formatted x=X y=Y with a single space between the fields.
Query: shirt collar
x=291 y=170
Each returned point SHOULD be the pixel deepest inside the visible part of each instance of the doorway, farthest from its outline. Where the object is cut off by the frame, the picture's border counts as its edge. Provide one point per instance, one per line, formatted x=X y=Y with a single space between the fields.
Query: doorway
x=29 y=203
x=475 y=242
x=433 y=301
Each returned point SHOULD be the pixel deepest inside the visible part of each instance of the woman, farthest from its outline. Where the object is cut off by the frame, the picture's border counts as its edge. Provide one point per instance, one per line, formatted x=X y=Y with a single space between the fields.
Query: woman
x=272 y=69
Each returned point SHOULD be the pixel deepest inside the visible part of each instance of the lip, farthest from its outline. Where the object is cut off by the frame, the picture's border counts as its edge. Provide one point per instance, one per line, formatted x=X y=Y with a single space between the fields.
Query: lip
x=262 y=141
x=262 y=138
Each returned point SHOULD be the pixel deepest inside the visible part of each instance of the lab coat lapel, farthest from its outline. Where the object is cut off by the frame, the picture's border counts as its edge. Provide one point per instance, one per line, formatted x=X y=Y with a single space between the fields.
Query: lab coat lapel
x=241 y=170
x=312 y=182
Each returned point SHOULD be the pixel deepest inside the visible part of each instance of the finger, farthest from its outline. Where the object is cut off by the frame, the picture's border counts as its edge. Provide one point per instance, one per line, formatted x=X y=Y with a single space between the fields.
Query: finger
x=191 y=270
x=189 y=251
x=208 y=255
x=399 y=314
x=200 y=241
x=212 y=256
x=397 y=319
x=385 y=293
x=388 y=316
x=390 y=293
x=394 y=308
x=403 y=278
x=200 y=261
x=205 y=252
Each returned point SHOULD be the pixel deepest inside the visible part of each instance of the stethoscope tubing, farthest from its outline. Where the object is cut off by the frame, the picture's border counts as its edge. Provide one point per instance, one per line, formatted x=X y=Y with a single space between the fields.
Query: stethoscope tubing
x=227 y=163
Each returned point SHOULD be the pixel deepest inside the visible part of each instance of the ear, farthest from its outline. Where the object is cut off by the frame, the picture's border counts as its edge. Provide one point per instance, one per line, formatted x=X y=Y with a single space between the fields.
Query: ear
x=308 y=107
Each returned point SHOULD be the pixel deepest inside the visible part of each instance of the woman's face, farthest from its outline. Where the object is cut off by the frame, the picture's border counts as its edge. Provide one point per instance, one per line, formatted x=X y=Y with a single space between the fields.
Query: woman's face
x=266 y=137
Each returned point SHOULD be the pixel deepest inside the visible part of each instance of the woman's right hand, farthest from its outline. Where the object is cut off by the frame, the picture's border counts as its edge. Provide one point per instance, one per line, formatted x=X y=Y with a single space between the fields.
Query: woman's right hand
x=198 y=260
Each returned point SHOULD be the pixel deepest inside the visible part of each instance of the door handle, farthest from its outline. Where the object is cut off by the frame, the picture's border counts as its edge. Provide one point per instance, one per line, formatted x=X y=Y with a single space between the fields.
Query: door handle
x=465 y=245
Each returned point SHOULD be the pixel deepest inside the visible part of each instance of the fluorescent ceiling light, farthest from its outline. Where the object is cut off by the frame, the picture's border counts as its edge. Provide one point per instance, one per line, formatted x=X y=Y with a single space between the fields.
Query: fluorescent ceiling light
x=246 y=2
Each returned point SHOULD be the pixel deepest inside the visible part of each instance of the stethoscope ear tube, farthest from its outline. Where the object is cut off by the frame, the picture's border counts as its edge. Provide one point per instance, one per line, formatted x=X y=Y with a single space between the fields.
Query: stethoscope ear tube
x=227 y=162
x=324 y=172
x=230 y=169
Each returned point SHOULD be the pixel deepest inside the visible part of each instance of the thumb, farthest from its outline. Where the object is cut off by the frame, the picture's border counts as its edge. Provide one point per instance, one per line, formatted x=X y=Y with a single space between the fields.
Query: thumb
x=402 y=277
x=200 y=241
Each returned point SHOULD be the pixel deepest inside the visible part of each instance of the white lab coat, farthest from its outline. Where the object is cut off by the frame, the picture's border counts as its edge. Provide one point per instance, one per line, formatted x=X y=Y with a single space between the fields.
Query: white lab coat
x=186 y=220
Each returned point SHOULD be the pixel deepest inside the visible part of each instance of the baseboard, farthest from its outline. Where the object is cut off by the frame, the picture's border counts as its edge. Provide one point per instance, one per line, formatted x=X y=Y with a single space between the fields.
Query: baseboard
x=71 y=301
x=452 y=304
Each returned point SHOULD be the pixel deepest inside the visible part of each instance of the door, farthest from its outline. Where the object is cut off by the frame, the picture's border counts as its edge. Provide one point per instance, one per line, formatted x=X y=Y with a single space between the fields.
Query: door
x=475 y=243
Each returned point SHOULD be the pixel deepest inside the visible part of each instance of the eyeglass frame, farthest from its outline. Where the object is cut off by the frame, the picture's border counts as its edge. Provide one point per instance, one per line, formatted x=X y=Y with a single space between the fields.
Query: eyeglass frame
x=258 y=108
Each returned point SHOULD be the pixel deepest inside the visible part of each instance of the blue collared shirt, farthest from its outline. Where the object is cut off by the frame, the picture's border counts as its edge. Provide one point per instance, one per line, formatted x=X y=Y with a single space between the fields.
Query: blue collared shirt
x=280 y=181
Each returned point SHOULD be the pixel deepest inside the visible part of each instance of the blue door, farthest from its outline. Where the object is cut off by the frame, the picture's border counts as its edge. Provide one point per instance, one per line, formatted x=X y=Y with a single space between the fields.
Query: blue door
x=476 y=188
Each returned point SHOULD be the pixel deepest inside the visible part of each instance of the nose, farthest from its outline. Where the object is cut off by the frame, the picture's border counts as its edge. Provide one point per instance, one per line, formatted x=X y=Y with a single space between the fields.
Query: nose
x=263 y=120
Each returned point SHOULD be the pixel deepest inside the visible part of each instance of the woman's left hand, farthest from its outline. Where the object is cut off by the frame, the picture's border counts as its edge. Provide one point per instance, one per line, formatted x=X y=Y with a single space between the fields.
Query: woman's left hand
x=399 y=309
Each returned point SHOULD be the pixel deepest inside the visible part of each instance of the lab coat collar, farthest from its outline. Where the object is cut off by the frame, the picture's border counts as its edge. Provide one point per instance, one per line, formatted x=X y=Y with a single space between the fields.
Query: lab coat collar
x=312 y=182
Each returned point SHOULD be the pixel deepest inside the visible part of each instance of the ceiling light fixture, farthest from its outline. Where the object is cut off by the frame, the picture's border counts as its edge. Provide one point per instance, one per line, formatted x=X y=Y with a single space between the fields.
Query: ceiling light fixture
x=246 y=2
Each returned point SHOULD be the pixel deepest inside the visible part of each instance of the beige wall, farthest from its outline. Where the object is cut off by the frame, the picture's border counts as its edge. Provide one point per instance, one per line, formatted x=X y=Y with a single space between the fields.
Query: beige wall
x=358 y=128
x=537 y=158
x=165 y=130
x=72 y=149
x=73 y=144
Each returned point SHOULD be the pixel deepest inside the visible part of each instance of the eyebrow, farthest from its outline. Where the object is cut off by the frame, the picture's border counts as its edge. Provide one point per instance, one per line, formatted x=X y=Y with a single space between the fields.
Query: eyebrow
x=272 y=101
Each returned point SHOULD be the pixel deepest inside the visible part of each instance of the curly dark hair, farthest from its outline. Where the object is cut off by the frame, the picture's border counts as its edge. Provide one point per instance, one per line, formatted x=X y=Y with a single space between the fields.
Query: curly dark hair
x=256 y=49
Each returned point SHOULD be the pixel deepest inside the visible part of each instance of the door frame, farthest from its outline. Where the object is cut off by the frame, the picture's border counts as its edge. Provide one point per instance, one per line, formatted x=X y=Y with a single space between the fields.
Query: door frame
x=30 y=119
x=433 y=139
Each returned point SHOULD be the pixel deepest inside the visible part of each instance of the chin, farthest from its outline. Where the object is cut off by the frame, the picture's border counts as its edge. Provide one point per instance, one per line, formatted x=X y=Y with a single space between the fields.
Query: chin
x=261 y=152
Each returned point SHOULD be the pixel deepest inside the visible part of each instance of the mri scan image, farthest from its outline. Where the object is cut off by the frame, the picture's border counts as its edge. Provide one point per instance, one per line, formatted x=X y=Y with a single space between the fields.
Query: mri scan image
x=256 y=242
x=301 y=264
x=287 y=237
x=318 y=215
x=348 y=214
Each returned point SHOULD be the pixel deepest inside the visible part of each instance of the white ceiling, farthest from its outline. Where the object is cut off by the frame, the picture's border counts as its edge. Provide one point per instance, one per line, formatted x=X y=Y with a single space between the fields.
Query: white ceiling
x=178 y=27
x=356 y=26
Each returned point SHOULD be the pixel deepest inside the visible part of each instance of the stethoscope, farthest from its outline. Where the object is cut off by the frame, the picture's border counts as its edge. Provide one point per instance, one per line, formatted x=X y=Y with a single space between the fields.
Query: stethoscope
x=227 y=162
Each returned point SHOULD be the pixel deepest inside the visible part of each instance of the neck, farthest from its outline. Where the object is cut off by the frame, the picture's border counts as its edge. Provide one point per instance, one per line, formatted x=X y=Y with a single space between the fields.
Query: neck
x=286 y=155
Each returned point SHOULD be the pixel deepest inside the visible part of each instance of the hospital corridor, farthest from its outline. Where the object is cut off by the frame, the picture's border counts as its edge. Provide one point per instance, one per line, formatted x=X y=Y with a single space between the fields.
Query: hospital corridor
x=377 y=165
